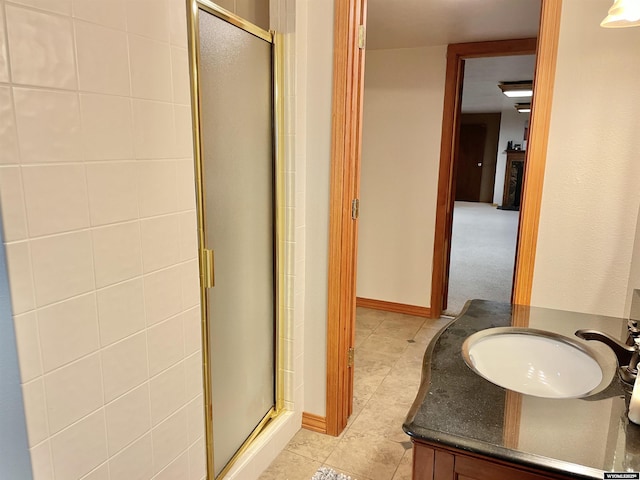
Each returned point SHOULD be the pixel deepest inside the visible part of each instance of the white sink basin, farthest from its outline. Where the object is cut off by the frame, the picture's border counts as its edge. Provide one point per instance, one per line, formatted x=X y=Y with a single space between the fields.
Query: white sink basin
x=534 y=362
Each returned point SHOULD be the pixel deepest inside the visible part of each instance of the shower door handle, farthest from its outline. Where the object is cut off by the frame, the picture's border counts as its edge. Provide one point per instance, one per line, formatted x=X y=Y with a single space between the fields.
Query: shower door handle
x=207 y=268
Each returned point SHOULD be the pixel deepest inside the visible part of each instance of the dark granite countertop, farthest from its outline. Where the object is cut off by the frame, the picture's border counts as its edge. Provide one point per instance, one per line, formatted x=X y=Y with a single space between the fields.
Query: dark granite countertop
x=455 y=407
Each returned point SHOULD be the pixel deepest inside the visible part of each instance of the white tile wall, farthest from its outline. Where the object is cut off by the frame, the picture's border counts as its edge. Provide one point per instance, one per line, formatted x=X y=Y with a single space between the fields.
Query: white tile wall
x=109 y=14
x=80 y=448
x=28 y=345
x=148 y=18
x=133 y=461
x=68 y=331
x=106 y=126
x=102 y=59
x=47 y=38
x=4 y=67
x=57 y=6
x=169 y=439
x=98 y=209
x=62 y=266
x=50 y=190
x=121 y=311
x=73 y=391
x=117 y=253
x=124 y=366
x=128 y=418
x=48 y=124
x=9 y=153
x=113 y=192
x=11 y=194
x=150 y=63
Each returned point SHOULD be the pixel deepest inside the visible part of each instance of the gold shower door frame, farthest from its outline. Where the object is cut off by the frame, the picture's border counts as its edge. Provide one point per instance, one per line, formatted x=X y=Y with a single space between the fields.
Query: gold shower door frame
x=205 y=256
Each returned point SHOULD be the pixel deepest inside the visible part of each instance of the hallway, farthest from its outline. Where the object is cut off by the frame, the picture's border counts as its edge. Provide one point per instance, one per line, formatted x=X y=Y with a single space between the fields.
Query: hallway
x=483 y=250
x=388 y=361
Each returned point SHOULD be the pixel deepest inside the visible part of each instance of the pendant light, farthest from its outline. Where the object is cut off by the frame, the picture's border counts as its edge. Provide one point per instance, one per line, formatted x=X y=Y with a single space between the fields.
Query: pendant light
x=623 y=13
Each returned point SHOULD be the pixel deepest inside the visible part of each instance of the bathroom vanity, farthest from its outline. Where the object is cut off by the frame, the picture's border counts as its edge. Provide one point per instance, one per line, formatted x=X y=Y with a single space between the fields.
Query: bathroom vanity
x=465 y=427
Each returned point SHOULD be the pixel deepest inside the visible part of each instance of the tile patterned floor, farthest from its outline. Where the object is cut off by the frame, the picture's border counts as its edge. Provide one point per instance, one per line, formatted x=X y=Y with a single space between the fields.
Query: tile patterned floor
x=388 y=361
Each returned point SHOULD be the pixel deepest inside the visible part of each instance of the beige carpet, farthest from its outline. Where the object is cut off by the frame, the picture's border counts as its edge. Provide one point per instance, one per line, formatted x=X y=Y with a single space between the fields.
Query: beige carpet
x=483 y=248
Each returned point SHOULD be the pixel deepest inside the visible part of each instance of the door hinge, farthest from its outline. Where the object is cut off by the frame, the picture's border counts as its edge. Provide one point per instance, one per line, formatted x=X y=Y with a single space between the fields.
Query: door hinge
x=355 y=208
x=350 y=357
x=362 y=36
x=207 y=268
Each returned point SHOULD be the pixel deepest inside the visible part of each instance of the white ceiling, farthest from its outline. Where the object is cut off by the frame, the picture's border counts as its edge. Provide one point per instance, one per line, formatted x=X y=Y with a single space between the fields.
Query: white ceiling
x=423 y=23
x=480 y=92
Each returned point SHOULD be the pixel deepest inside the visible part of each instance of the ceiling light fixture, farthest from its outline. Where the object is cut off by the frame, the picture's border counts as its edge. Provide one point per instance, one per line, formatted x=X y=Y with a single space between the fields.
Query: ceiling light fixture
x=623 y=13
x=523 y=107
x=517 y=89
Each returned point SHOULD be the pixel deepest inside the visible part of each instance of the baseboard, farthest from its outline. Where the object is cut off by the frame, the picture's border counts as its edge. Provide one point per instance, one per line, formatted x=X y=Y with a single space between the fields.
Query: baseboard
x=313 y=422
x=393 y=307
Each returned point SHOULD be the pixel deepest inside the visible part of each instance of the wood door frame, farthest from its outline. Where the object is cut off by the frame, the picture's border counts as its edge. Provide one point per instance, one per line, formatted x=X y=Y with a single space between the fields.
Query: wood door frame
x=346 y=133
x=545 y=48
x=345 y=157
x=456 y=55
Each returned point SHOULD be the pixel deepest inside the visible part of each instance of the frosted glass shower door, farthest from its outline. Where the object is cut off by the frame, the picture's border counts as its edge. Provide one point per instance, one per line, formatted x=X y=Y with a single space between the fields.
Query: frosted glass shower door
x=236 y=117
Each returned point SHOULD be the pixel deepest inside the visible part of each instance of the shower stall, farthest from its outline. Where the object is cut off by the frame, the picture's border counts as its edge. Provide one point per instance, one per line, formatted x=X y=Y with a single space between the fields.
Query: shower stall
x=236 y=95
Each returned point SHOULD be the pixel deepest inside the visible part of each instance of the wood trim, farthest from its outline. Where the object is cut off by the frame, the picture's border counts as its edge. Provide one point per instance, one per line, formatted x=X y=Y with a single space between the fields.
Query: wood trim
x=393 y=307
x=450 y=129
x=537 y=150
x=495 y=48
x=315 y=423
x=456 y=53
x=348 y=80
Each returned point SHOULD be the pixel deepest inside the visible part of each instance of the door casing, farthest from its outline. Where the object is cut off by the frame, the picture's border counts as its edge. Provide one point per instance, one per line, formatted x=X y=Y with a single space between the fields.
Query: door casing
x=348 y=91
x=456 y=55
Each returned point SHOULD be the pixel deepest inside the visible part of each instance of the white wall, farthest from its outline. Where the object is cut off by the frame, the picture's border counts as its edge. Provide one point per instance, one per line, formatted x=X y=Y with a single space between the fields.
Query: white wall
x=402 y=127
x=632 y=305
x=256 y=11
x=319 y=57
x=512 y=126
x=591 y=196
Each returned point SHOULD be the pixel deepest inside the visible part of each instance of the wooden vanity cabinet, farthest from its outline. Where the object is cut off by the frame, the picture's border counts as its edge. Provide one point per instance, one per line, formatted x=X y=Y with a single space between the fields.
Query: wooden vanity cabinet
x=435 y=462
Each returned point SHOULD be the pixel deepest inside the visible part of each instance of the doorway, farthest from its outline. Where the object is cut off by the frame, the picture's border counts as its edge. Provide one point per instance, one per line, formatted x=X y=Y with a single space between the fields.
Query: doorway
x=236 y=71
x=347 y=72
x=492 y=134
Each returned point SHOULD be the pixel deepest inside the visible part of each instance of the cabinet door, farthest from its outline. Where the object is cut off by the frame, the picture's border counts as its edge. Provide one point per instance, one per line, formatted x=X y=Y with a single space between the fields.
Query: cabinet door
x=439 y=464
x=468 y=468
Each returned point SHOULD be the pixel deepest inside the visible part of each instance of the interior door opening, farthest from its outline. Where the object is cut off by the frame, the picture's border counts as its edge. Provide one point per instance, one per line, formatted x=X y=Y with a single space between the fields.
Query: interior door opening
x=457 y=55
x=339 y=259
x=489 y=167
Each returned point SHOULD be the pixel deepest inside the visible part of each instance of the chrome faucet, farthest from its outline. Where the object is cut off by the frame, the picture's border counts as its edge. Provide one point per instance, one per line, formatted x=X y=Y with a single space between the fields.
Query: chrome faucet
x=627 y=355
x=634 y=331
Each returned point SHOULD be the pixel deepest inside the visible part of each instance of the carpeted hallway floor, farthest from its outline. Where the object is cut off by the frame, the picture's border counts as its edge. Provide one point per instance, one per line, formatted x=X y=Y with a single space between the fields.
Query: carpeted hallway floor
x=483 y=247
